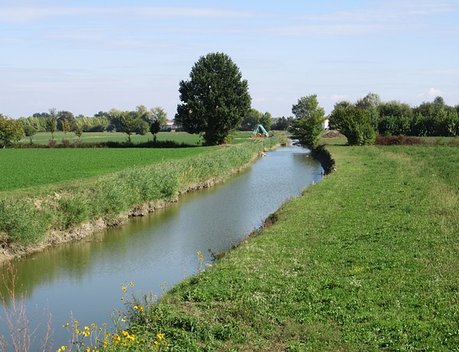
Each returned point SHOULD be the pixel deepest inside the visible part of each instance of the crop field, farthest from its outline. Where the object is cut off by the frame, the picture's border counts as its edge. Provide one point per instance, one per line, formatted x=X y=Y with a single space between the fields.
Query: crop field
x=97 y=137
x=365 y=260
x=20 y=168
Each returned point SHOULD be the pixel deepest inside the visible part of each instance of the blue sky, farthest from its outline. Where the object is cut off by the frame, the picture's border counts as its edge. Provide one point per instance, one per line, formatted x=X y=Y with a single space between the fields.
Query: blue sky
x=86 y=56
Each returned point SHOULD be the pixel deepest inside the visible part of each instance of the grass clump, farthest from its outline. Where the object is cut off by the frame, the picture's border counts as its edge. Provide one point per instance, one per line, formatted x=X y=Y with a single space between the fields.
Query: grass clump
x=365 y=260
x=21 y=221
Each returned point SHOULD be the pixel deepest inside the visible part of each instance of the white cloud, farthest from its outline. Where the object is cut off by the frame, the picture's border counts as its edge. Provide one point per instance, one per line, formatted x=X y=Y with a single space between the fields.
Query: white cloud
x=432 y=93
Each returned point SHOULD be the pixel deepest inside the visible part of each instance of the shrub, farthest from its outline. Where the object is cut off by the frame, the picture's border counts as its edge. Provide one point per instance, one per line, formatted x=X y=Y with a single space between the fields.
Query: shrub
x=354 y=123
x=73 y=210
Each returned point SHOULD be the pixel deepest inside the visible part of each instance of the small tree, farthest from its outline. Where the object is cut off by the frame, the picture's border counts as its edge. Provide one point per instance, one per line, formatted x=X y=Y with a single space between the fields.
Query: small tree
x=10 y=131
x=266 y=120
x=155 y=127
x=128 y=123
x=214 y=100
x=51 y=122
x=308 y=125
x=30 y=131
x=78 y=132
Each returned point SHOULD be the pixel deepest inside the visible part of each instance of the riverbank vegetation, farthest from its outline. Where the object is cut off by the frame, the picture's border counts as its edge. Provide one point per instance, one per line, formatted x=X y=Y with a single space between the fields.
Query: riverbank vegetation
x=29 y=215
x=365 y=260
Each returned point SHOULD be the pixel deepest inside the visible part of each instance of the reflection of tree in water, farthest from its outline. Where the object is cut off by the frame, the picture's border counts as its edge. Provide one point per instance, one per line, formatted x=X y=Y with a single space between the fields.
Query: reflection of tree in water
x=73 y=260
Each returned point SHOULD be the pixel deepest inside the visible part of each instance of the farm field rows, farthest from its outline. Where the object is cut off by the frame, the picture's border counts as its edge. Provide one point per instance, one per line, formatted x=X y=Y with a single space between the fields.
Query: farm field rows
x=21 y=168
x=365 y=260
x=96 y=137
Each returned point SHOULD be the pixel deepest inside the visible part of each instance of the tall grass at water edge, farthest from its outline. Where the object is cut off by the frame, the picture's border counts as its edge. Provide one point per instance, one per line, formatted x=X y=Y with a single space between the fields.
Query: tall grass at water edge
x=26 y=218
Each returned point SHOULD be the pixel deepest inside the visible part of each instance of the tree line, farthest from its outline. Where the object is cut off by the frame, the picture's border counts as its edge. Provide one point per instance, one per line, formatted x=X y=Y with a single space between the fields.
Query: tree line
x=363 y=120
x=139 y=121
x=215 y=101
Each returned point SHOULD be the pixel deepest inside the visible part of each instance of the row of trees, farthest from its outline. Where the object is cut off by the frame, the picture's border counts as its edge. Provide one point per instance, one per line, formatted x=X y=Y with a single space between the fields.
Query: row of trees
x=361 y=121
x=140 y=121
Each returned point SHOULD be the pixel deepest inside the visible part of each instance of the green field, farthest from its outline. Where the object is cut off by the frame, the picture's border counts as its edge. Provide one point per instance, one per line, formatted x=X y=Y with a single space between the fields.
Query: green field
x=366 y=260
x=36 y=167
x=97 y=137
x=23 y=168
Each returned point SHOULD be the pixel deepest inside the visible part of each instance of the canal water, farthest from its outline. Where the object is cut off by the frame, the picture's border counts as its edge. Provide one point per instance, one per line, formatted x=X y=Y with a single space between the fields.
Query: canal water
x=83 y=280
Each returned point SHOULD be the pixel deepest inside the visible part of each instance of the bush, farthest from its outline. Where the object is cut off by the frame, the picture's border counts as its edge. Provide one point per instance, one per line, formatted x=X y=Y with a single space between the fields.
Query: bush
x=354 y=123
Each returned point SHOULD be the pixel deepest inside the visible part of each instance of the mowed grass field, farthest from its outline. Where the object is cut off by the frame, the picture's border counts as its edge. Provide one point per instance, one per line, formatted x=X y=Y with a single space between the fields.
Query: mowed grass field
x=365 y=260
x=21 y=168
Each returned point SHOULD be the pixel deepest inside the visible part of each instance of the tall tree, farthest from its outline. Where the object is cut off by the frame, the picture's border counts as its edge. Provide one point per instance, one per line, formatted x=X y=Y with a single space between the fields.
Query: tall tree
x=214 y=100
x=308 y=125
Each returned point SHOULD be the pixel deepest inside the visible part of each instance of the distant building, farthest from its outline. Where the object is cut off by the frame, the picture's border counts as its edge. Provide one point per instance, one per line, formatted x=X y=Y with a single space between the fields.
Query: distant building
x=326 y=124
x=169 y=126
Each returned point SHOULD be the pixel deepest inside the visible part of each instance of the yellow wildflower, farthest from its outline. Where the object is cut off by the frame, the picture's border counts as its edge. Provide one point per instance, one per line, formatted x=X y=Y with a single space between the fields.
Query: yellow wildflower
x=86 y=332
x=138 y=308
x=200 y=256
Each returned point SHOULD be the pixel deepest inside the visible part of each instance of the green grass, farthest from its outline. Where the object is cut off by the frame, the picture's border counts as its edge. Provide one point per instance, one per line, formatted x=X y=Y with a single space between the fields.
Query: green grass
x=95 y=137
x=23 y=168
x=366 y=260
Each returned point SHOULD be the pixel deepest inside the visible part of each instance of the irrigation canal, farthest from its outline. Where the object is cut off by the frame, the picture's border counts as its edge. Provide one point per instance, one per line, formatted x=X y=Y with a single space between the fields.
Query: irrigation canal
x=83 y=280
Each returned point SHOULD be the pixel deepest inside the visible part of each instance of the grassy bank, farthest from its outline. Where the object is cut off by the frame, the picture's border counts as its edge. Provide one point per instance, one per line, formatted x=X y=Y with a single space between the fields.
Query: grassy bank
x=27 y=217
x=365 y=260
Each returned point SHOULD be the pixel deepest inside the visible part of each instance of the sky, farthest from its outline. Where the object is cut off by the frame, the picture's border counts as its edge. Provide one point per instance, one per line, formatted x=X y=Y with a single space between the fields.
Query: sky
x=87 y=56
